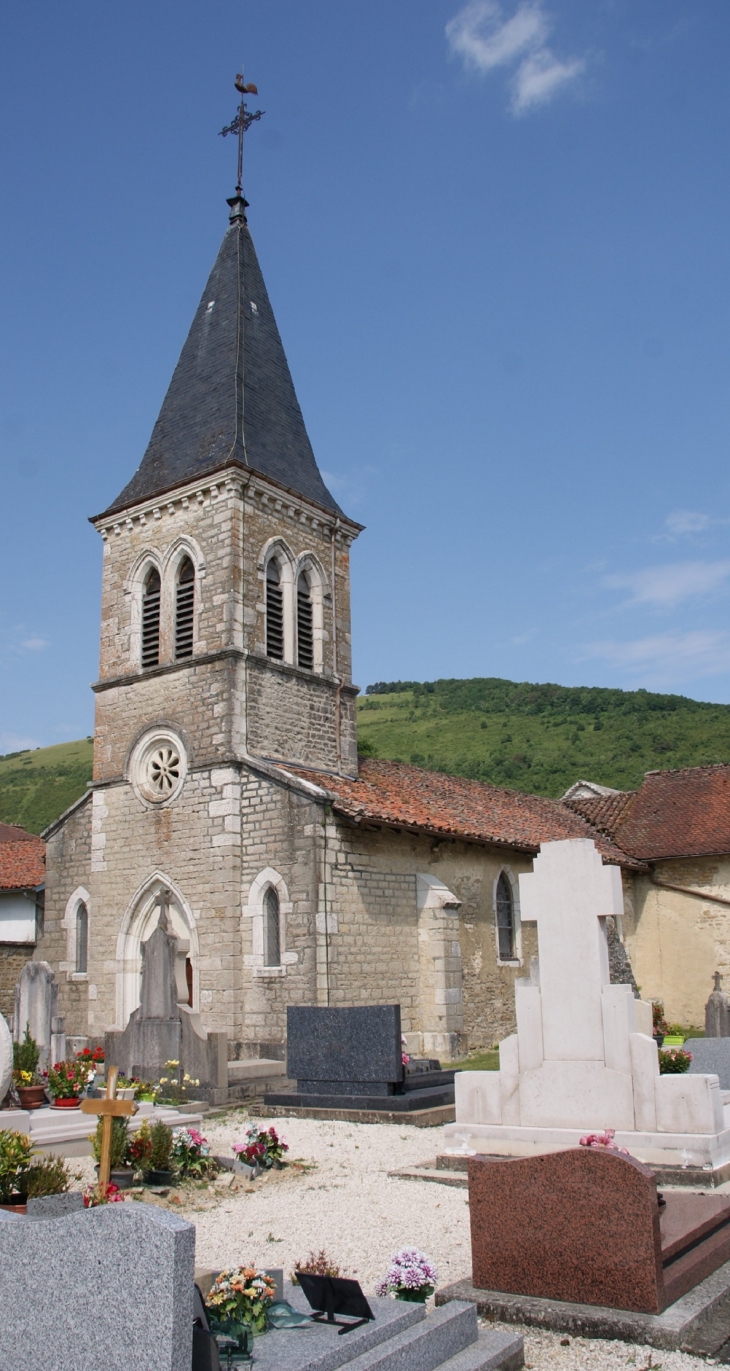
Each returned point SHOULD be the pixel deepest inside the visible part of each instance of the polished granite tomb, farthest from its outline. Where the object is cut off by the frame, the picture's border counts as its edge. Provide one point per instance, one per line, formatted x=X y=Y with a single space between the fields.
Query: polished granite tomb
x=351 y=1059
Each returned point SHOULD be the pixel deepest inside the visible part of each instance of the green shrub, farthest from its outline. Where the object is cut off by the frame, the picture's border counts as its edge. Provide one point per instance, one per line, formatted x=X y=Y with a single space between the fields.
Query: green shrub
x=673 y=1061
x=161 y=1146
x=26 y=1054
x=47 y=1176
x=15 y=1153
x=119 y=1155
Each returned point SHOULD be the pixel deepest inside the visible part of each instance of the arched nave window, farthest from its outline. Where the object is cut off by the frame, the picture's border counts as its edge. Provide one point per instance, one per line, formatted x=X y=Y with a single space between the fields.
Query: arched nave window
x=305 y=630
x=184 y=610
x=82 y=940
x=272 y=928
x=151 y=619
x=274 y=611
x=505 y=920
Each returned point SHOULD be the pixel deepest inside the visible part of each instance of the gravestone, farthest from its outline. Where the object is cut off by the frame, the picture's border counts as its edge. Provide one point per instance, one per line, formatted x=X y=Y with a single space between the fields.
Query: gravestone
x=717 y=1011
x=352 y=1058
x=134 y=1262
x=586 y=1226
x=164 y=1028
x=6 y=1058
x=583 y=1057
x=36 y=995
x=710 y=1055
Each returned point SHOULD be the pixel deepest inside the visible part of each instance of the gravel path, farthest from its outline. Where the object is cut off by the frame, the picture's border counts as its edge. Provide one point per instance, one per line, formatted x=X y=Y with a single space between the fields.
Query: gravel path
x=342 y=1199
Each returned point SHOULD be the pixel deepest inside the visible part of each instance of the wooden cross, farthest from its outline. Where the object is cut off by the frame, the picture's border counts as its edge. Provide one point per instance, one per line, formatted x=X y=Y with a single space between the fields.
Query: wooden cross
x=109 y=1108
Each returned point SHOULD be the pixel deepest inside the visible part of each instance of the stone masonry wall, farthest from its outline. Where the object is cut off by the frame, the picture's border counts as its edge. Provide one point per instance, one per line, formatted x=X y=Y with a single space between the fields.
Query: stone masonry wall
x=13 y=957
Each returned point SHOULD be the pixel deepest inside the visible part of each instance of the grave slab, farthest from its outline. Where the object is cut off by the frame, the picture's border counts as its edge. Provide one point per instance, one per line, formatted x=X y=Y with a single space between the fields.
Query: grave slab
x=134 y=1261
x=710 y=1055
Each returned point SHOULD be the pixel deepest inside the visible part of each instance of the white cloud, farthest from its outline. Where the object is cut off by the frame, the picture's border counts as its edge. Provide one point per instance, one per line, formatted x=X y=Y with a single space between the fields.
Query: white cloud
x=485 y=39
x=34 y=643
x=15 y=742
x=675 y=655
x=668 y=585
x=687 y=521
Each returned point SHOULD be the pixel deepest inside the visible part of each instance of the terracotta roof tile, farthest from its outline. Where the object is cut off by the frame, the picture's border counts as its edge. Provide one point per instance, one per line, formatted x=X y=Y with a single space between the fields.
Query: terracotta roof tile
x=679 y=814
x=604 y=812
x=408 y=797
x=22 y=859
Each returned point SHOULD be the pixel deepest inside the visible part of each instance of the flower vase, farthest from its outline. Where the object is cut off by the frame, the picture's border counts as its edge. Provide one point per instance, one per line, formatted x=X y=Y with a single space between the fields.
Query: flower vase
x=417 y=1296
x=66 y=1102
x=31 y=1096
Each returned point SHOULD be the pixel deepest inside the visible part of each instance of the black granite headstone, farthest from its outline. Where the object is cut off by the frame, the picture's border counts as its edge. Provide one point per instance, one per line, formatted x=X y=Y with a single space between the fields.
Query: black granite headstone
x=358 y=1048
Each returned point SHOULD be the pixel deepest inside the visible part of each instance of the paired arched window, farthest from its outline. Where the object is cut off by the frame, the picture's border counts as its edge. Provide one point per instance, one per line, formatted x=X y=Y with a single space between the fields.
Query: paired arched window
x=272 y=928
x=184 y=610
x=82 y=940
x=274 y=611
x=506 y=941
x=151 y=618
x=305 y=623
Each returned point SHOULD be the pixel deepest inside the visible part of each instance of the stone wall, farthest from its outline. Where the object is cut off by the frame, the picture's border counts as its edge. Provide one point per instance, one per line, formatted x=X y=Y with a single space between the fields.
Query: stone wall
x=13 y=957
x=675 y=941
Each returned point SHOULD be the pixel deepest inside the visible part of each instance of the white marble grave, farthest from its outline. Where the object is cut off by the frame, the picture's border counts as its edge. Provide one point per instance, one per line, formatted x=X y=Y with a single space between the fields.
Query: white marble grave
x=583 y=1058
x=6 y=1058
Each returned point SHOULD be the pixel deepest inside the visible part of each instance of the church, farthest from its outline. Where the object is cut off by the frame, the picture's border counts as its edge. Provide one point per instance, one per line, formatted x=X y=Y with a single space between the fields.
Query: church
x=226 y=768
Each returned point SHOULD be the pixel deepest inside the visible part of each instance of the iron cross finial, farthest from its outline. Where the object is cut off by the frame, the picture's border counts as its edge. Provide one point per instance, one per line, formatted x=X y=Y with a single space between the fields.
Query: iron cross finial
x=242 y=122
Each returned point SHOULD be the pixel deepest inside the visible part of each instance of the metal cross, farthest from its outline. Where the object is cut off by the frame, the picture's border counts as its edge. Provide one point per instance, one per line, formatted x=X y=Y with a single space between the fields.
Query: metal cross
x=242 y=122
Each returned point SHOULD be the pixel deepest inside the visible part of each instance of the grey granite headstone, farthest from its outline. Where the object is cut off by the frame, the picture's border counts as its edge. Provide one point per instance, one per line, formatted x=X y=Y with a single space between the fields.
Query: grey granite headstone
x=710 y=1057
x=52 y=1206
x=35 y=1006
x=717 y=1011
x=134 y=1261
x=359 y=1046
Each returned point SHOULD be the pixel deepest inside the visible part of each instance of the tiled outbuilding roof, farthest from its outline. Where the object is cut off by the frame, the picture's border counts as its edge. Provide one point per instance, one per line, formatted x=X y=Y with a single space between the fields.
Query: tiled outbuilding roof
x=22 y=859
x=400 y=796
x=684 y=813
x=604 y=812
x=231 y=400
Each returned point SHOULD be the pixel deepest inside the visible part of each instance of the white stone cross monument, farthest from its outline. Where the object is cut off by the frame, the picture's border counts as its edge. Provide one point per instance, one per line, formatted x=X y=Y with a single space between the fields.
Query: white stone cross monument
x=583 y=1057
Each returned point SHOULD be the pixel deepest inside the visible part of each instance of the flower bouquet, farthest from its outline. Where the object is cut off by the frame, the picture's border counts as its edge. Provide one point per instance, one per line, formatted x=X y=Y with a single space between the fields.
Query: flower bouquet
x=238 y=1304
x=263 y=1147
x=66 y=1082
x=410 y=1276
x=191 y=1155
x=673 y=1061
x=93 y=1195
x=605 y=1139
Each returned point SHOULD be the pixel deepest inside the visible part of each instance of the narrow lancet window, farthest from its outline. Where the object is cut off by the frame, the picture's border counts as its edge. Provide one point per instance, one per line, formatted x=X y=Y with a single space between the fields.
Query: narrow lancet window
x=82 y=939
x=274 y=612
x=272 y=934
x=305 y=641
x=184 y=610
x=151 y=620
x=505 y=920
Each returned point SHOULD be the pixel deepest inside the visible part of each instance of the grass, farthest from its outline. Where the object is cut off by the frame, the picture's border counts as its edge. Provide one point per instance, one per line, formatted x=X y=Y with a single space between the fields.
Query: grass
x=479 y=1061
x=35 y=787
x=540 y=738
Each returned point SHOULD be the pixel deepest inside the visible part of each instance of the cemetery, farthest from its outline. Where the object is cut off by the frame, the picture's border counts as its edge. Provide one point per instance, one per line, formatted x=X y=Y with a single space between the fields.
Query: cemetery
x=584 y=1200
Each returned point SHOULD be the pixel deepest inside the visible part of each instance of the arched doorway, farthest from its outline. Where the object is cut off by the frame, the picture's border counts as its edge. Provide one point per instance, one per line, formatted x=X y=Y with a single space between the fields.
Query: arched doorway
x=140 y=920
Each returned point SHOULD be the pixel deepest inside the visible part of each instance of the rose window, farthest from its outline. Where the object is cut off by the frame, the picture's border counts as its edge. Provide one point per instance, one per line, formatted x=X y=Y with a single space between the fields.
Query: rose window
x=163 y=771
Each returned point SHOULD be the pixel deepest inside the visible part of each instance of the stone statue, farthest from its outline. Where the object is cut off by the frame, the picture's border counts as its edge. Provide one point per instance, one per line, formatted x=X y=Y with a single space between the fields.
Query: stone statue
x=717 y=1011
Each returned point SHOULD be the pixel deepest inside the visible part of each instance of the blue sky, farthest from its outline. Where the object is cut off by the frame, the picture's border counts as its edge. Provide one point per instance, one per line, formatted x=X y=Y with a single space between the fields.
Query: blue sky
x=496 y=238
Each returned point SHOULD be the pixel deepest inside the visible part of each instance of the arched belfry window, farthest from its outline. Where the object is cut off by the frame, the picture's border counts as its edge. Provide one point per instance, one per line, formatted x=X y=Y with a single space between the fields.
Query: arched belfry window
x=272 y=929
x=274 y=612
x=151 y=619
x=305 y=637
x=184 y=609
x=82 y=939
x=505 y=920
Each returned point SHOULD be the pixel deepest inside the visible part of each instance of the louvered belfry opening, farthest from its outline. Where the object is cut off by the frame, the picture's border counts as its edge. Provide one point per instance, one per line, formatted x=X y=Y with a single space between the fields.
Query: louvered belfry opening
x=274 y=612
x=505 y=920
x=305 y=640
x=151 y=620
x=184 y=609
x=272 y=932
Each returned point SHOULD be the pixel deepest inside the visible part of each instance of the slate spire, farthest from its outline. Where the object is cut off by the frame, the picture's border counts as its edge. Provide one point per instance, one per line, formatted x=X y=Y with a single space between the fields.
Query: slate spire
x=231 y=400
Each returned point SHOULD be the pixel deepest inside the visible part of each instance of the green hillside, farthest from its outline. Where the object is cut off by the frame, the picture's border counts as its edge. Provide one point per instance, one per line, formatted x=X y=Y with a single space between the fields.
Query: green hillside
x=540 y=738
x=35 y=787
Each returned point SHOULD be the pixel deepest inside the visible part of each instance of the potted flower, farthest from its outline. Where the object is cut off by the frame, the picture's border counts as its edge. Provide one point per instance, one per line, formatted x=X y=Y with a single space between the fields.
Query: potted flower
x=93 y=1195
x=28 y=1083
x=191 y=1155
x=239 y=1302
x=249 y=1159
x=673 y=1061
x=410 y=1276
x=175 y=1088
x=140 y=1148
x=46 y=1176
x=265 y=1146
x=121 y=1169
x=126 y=1087
x=660 y=1027
x=66 y=1083
x=93 y=1057
x=160 y=1158
x=15 y=1155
